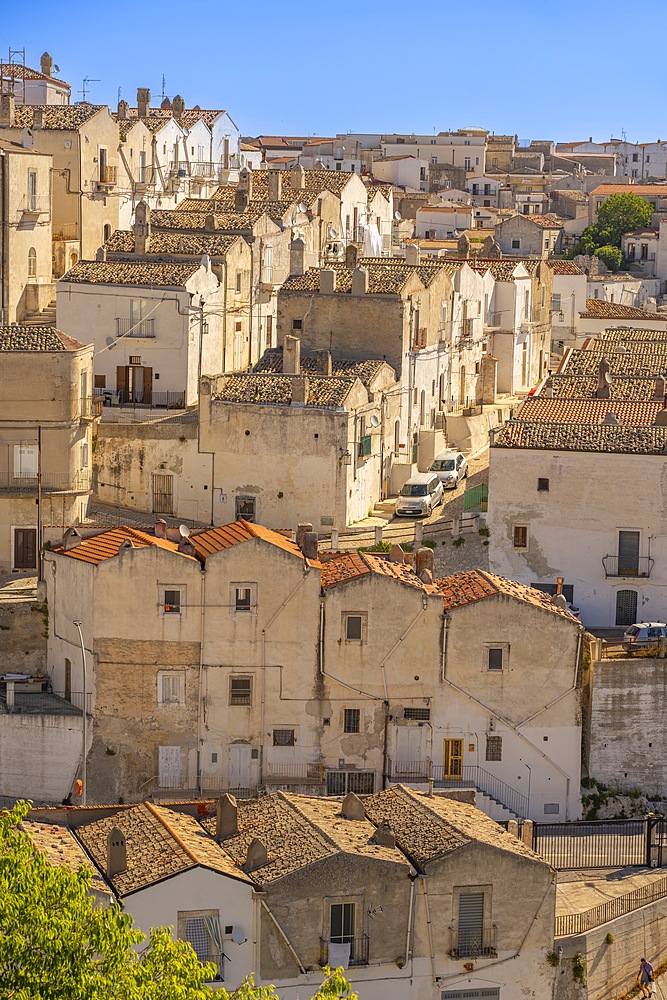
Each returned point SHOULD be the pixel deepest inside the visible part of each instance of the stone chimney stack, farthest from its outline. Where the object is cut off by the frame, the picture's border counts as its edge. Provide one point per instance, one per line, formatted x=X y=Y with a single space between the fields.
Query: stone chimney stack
x=352 y=807
x=300 y=390
x=412 y=254
x=660 y=389
x=291 y=356
x=310 y=545
x=301 y=532
x=142 y=228
x=116 y=852
x=123 y=111
x=178 y=106
x=297 y=178
x=101 y=254
x=424 y=560
x=226 y=817
x=297 y=256
x=350 y=255
x=7 y=110
x=359 y=281
x=324 y=366
x=243 y=193
x=256 y=856
x=275 y=185
x=604 y=380
x=46 y=63
x=327 y=281
x=71 y=539
x=143 y=101
x=384 y=835
x=160 y=528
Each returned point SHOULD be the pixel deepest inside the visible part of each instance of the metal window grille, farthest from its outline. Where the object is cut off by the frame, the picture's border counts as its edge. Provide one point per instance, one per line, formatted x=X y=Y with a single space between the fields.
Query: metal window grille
x=240 y=691
x=197 y=935
x=283 y=738
x=417 y=714
x=351 y=720
x=543 y=485
x=494 y=748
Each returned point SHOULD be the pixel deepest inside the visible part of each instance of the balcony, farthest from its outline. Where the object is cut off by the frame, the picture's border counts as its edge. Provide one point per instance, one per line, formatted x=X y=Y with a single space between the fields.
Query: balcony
x=141 y=328
x=91 y=407
x=51 y=482
x=108 y=178
x=65 y=232
x=33 y=207
x=13 y=701
x=204 y=169
x=473 y=943
x=152 y=400
x=358 y=951
x=629 y=569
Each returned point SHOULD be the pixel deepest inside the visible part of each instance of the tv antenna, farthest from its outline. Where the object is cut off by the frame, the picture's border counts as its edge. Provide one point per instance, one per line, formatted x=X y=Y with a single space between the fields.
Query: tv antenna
x=86 y=88
x=162 y=96
x=120 y=91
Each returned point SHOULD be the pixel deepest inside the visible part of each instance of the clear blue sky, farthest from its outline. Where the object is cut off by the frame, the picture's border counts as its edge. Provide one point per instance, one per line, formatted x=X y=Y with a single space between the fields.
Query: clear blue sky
x=540 y=70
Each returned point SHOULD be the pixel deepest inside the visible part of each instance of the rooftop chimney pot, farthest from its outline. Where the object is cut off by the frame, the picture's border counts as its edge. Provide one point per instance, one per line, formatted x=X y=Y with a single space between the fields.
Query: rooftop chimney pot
x=116 y=852
x=226 y=817
x=291 y=356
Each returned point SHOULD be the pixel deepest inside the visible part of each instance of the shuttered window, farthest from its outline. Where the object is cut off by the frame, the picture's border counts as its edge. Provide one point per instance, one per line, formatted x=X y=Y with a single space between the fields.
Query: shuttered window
x=471 y=922
x=628 y=552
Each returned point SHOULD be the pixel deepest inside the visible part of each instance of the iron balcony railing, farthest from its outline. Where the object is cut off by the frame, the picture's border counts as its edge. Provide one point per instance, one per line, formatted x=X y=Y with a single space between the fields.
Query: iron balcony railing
x=568 y=924
x=153 y=400
x=35 y=206
x=51 y=482
x=480 y=942
x=43 y=702
x=90 y=406
x=359 y=947
x=134 y=328
x=466 y=775
x=108 y=176
x=294 y=772
x=613 y=566
x=194 y=168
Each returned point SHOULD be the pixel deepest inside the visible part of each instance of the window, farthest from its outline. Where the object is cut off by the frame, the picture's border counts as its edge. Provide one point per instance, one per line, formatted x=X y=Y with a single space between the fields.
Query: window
x=142 y=167
x=628 y=553
x=239 y=278
x=100 y=381
x=25 y=461
x=243 y=597
x=494 y=657
x=354 y=628
x=542 y=485
x=202 y=929
x=269 y=331
x=631 y=250
x=516 y=244
x=494 y=748
x=341 y=923
x=635 y=157
x=283 y=738
x=417 y=714
x=171 y=687
x=466 y=163
x=84 y=455
x=471 y=924
x=297 y=324
x=246 y=508
x=240 y=690
x=171 y=602
x=520 y=536
x=135 y=359
x=106 y=232
x=32 y=264
x=351 y=720
x=555 y=302
x=32 y=190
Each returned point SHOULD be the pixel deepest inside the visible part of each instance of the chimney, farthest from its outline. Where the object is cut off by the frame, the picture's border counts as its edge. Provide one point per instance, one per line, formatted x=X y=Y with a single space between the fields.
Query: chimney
x=243 y=192
x=352 y=807
x=226 y=817
x=186 y=547
x=301 y=531
x=424 y=560
x=297 y=178
x=160 y=528
x=71 y=539
x=359 y=281
x=143 y=101
x=211 y=222
x=46 y=63
x=123 y=111
x=604 y=380
x=101 y=254
x=660 y=389
x=323 y=363
x=350 y=255
x=300 y=389
x=384 y=835
x=611 y=420
x=142 y=228
x=310 y=546
x=256 y=856
x=116 y=853
x=291 y=356
x=37 y=118
x=7 y=110
x=178 y=106
x=275 y=185
x=412 y=254
x=548 y=389
x=396 y=554
x=297 y=256
x=327 y=281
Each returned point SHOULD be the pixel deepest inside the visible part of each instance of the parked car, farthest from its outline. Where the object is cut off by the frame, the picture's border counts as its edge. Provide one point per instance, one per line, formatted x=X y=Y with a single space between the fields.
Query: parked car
x=450 y=467
x=643 y=634
x=420 y=495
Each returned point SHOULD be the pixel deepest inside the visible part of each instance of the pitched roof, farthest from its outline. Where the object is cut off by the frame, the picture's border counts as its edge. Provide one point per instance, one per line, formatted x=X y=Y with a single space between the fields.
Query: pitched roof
x=600 y=309
x=628 y=335
x=588 y=411
x=105 y=545
x=224 y=221
x=18 y=71
x=385 y=277
x=475 y=585
x=61 y=847
x=157 y=274
x=563 y=266
x=630 y=440
x=584 y=386
x=272 y=361
x=276 y=390
x=65 y=117
x=427 y=828
x=15 y=337
x=355 y=565
x=502 y=270
x=548 y=221
x=644 y=359
x=644 y=190
x=172 y=243
x=213 y=540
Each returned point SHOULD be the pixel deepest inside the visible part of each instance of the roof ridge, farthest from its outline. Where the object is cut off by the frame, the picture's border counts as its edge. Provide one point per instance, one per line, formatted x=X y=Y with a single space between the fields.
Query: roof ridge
x=172 y=833
x=489 y=579
x=421 y=800
x=328 y=840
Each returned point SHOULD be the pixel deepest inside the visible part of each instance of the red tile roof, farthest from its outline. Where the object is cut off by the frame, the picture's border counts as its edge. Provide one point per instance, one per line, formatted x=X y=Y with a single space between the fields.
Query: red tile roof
x=588 y=411
x=564 y=267
x=644 y=190
x=354 y=565
x=476 y=585
x=206 y=543
x=600 y=309
x=106 y=544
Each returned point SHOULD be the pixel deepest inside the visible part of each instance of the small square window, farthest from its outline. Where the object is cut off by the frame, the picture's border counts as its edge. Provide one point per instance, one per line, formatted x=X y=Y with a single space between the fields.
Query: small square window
x=171 y=687
x=240 y=690
x=354 y=628
x=214 y=758
x=135 y=359
x=542 y=485
x=171 y=604
x=243 y=598
x=520 y=536
x=100 y=381
x=246 y=508
x=516 y=244
x=351 y=720
x=283 y=738
x=417 y=714
x=494 y=748
x=495 y=657
x=297 y=324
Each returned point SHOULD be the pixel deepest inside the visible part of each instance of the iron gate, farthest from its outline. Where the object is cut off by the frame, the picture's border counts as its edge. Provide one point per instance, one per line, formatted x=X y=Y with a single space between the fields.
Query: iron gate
x=603 y=843
x=163 y=493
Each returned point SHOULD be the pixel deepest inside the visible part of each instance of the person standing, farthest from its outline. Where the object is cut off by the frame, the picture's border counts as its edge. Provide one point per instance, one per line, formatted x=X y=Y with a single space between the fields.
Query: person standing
x=645 y=977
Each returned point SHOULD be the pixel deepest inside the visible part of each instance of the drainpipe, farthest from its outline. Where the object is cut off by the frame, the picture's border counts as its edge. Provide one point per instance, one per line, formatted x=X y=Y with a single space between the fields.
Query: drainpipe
x=446 y=622
x=285 y=939
x=408 y=940
x=336 y=680
x=429 y=925
x=199 y=680
x=4 y=256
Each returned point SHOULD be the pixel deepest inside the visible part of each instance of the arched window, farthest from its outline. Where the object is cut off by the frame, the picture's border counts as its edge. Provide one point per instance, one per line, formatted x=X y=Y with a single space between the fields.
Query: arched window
x=626 y=607
x=32 y=264
x=397 y=436
x=73 y=257
x=106 y=232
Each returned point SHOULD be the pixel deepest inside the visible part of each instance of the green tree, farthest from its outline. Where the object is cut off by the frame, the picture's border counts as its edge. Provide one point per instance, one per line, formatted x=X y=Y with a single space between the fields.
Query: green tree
x=619 y=214
x=611 y=256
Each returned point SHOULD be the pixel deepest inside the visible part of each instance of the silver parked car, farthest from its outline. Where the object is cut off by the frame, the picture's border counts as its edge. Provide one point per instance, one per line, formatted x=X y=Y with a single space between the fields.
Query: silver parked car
x=450 y=467
x=420 y=495
x=643 y=634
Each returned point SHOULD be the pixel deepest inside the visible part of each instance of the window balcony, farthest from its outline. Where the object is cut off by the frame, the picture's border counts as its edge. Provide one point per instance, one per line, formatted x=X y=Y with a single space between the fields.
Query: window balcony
x=33 y=207
x=479 y=942
x=628 y=569
x=358 y=950
x=51 y=482
x=108 y=178
x=194 y=168
x=140 y=328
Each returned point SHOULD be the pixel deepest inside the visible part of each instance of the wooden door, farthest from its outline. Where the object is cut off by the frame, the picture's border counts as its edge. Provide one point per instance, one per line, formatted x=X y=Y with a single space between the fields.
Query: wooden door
x=409 y=749
x=169 y=767
x=25 y=548
x=163 y=494
x=453 y=759
x=240 y=765
x=148 y=385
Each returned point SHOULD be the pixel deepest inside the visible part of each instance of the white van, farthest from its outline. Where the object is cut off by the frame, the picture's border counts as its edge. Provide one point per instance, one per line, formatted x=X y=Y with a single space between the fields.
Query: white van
x=420 y=495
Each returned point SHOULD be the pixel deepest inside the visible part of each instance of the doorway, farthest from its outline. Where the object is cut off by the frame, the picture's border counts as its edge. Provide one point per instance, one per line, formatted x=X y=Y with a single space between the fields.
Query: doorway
x=134 y=384
x=453 y=758
x=25 y=548
x=240 y=765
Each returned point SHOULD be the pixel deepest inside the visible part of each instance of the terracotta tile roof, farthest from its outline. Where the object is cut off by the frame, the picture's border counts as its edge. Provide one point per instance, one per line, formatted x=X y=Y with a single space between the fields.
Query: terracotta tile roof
x=172 y=243
x=318 y=180
x=105 y=545
x=621 y=388
x=644 y=190
x=628 y=335
x=630 y=440
x=214 y=540
x=272 y=361
x=648 y=231
x=564 y=266
x=15 y=337
x=196 y=221
x=502 y=270
x=66 y=117
x=548 y=221
x=476 y=585
x=276 y=390
x=354 y=565
x=385 y=276
x=62 y=848
x=588 y=411
x=645 y=359
x=374 y=187
x=19 y=71
x=429 y=828
x=197 y=842
x=157 y=274
x=573 y=195
x=190 y=117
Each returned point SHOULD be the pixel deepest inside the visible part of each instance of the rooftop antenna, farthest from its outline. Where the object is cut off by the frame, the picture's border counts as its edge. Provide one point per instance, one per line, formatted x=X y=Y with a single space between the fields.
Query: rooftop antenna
x=162 y=96
x=16 y=58
x=120 y=91
x=86 y=88
x=624 y=135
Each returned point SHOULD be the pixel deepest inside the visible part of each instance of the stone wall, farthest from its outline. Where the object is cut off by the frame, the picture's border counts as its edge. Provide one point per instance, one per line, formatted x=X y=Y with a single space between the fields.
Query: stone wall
x=22 y=635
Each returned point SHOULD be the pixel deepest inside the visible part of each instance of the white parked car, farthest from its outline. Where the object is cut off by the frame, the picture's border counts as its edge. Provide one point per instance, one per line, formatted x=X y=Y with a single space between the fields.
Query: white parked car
x=420 y=495
x=450 y=467
x=643 y=634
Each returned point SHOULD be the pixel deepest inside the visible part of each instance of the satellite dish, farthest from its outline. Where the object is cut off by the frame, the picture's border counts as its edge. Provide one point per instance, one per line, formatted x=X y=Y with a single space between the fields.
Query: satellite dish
x=111 y=342
x=184 y=531
x=238 y=937
x=186 y=131
x=375 y=420
x=331 y=233
x=303 y=208
x=398 y=216
x=608 y=379
x=56 y=68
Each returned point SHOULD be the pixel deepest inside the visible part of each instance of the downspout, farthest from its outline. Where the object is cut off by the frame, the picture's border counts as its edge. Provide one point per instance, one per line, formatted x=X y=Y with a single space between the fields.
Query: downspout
x=446 y=622
x=285 y=939
x=336 y=680
x=224 y=316
x=385 y=748
x=428 y=924
x=408 y=939
x=560 y=697
x=4 y=305
x=201 y=674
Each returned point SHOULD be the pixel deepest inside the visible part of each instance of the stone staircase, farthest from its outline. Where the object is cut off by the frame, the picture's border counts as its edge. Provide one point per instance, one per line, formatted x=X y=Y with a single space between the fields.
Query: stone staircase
x=493 y=808
x=47 y=317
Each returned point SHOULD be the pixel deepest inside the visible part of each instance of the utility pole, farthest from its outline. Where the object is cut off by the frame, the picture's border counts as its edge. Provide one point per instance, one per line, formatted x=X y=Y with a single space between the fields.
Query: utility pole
x=39 y=503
